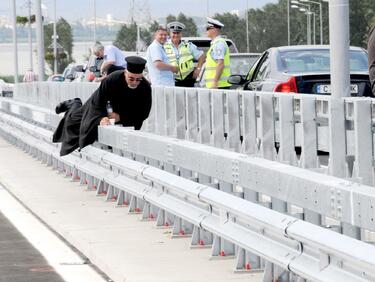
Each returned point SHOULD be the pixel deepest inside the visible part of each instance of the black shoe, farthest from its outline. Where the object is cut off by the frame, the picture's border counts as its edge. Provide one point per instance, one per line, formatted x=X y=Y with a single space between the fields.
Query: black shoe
x=66 y=105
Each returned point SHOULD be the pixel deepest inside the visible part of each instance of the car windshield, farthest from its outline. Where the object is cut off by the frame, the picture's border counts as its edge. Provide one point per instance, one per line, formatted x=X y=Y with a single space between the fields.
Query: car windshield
x=301 y=61
x=204 y=45
x=241 y=63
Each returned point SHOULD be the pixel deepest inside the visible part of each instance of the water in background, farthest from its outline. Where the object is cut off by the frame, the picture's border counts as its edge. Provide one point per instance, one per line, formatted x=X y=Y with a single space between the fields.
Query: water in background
x=80 y=50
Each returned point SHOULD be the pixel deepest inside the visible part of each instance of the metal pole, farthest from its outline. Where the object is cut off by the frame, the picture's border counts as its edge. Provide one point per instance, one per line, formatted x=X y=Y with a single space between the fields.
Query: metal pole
x=314 y=34
x=308 y=29
x=321 y=23
x=39 y=40
x=288 y=17
x=29 y=35
x=321 y=17
x=94 y=21
x=340 y=87
x=15 y=42
x=208 y=8
x=339 y=37
x=310 y=42
x=54 y=40
x=247 y=27
x=340 y=83
x=138 y=44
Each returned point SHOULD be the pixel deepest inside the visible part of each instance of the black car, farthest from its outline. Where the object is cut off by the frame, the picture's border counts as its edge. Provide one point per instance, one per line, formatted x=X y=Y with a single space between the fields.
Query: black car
x=303 y=69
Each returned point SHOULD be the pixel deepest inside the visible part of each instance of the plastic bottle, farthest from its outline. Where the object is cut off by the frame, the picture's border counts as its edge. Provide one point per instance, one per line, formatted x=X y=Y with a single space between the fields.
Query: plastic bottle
x=109 y=108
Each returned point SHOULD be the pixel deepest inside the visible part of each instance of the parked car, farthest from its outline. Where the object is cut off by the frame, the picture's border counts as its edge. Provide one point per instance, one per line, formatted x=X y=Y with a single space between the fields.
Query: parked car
x=73 y=71
x=204 y=43
x=303 y=69
x=6 y=89
x=56 y=78
x=93 y=68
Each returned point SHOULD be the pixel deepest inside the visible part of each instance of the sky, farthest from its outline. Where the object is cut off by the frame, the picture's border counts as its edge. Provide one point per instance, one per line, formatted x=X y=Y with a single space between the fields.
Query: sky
x=76 y=9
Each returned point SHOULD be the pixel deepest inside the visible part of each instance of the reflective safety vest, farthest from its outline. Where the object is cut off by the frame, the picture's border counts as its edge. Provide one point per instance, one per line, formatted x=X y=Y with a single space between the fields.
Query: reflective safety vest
x=184 y=63
x=211 y=64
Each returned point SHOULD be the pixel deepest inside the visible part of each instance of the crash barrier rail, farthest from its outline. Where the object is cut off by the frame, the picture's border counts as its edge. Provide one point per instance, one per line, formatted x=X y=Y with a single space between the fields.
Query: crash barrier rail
x=49 y=94
x=32 y=114
x=248 y=122
x=340 y=199
x=299 y=248
x=252 y=123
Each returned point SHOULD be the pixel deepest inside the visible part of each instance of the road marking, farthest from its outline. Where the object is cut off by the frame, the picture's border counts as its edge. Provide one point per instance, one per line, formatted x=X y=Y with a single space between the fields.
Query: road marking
x=68 y=264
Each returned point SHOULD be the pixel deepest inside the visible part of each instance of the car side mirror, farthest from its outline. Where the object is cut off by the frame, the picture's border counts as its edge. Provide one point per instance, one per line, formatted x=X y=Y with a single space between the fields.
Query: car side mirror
x=93 y=69
x=79 y=68
x=236 y=79
x=69 y=76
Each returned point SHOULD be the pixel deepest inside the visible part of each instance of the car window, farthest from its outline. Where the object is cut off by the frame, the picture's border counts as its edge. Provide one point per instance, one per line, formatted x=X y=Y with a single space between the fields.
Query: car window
x=241 y=63
x=253 y=68
x=301 y=61
x=262 y=70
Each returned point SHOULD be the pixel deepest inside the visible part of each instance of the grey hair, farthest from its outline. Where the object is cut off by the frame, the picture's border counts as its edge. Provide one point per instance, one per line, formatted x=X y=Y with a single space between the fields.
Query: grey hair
x=97 y=47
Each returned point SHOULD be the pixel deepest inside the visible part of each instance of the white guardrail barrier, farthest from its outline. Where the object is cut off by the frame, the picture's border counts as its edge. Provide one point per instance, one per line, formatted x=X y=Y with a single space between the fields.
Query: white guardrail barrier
x=191 y=206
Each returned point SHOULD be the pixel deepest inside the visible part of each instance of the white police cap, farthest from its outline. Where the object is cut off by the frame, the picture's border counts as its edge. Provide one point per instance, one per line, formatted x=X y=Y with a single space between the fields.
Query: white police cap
x=176 y=26
x=214 y=23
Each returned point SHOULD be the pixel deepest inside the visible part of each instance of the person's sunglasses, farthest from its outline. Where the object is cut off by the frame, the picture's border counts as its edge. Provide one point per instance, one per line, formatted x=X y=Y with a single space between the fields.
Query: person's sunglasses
x=135 y=79
x=176 y=32
x=209 y=27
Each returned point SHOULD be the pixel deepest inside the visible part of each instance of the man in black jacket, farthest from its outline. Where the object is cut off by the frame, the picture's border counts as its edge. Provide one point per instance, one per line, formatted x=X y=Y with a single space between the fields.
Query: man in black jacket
x=126 y=92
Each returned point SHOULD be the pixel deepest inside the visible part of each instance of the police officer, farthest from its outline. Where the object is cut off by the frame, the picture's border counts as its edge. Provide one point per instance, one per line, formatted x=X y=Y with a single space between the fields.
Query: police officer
x=182 y=54
x=217 y=61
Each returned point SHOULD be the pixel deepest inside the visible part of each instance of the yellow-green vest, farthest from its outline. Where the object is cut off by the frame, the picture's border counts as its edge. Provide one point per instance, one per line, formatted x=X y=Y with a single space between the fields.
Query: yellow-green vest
x=211 y=64
x=185 y=63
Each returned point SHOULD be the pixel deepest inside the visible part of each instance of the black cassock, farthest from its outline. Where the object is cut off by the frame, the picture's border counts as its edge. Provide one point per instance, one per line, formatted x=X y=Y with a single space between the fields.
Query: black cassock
x=79 y=127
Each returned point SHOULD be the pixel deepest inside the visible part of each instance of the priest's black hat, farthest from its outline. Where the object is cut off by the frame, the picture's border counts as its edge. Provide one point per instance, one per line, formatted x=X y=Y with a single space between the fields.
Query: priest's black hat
x=135 y=64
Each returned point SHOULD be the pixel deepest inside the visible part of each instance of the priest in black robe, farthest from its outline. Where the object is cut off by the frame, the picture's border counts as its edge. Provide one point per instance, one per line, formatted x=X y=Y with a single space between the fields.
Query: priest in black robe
x=124 y=97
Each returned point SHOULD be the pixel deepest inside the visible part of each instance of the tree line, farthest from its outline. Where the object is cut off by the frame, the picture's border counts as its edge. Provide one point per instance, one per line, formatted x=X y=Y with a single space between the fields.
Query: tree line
x=267 y=26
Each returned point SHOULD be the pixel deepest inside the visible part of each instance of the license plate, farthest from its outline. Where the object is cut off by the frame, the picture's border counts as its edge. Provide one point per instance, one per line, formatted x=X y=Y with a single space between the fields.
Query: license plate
x=326 y=89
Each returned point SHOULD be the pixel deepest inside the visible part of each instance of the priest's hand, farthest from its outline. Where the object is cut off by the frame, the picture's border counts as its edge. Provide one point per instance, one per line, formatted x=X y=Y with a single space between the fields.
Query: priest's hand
x=115 y=116
x=105 y=121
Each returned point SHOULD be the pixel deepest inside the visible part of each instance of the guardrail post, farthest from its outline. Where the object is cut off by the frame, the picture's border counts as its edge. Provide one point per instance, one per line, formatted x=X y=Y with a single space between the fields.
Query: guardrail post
x=287 y=153
x=233 y=117
x=309 y=148
x=363 y=163
x=204 y=116
x=180 y=112
x=160 y=110
x=169 y=112
x=149 y=124
x=217 y=137
x=267 y=128
x=249 y=123
x=192 y=114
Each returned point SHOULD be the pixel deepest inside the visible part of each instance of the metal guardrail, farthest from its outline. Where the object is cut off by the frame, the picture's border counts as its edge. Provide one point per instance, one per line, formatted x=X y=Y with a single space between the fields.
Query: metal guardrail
x=304 y=249
x=250 y=122
x=33 y=114
x=333 y=197
x=340 y=199
x=49 y=94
